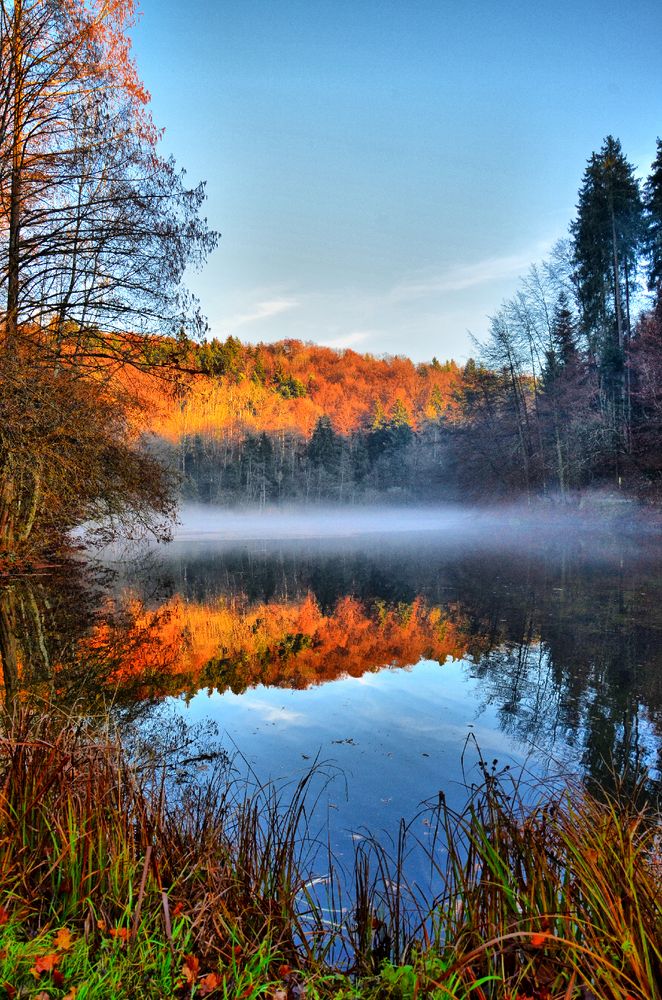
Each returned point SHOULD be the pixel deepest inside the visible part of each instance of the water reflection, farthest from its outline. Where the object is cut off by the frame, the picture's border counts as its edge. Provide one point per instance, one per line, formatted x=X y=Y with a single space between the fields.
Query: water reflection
x=560 y=646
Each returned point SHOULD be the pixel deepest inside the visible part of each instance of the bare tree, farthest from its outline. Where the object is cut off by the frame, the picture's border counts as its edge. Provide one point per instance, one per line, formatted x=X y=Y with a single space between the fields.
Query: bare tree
x=96 y=228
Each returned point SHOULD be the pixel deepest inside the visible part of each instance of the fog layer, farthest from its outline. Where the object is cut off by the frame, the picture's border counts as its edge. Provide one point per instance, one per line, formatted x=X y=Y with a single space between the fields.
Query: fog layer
x=483 y=524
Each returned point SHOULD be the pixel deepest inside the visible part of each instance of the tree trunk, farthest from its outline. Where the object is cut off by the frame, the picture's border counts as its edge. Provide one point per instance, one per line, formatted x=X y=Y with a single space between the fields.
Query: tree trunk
x=13 y=262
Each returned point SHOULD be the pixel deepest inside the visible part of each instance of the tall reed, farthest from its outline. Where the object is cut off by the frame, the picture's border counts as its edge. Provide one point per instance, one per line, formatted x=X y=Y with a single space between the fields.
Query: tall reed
x=551 y=897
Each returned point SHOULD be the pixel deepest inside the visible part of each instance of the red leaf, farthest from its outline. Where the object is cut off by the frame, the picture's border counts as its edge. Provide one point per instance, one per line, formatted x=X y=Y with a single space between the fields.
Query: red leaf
x=190 y=968
x=63 y=939
x=209 y=983
x=538 y=940
x=4 y=916
x=44 y=963
x=10 y=990
x=58 y=979
x=284 y=971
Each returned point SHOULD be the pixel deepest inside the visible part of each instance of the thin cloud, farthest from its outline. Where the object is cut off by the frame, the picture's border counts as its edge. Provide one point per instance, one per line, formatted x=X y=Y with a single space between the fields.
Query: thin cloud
x=347 y=339
x=263 y=310
x=458 y=279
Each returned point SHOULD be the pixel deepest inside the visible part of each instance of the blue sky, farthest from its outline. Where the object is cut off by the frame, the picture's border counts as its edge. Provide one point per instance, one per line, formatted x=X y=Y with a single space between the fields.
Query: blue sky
x=382 y=170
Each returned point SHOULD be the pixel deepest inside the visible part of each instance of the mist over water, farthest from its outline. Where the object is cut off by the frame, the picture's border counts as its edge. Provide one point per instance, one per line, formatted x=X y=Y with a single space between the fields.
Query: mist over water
x=488 y=526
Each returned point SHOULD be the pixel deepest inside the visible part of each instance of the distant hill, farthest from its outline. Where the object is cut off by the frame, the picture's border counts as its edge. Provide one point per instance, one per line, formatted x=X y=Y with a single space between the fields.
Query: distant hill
x=289 y=385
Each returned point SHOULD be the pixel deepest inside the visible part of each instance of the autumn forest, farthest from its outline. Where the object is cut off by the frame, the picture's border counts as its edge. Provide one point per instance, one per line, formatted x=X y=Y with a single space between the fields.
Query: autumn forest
x=326 y=673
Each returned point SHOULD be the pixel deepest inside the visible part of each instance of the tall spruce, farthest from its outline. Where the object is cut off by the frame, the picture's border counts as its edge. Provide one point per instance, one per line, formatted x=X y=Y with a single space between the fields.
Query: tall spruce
x=607 y=239
x=653 y=210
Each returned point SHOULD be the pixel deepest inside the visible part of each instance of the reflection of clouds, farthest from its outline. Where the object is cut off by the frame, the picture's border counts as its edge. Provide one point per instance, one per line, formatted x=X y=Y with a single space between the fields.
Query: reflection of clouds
x=271 y=713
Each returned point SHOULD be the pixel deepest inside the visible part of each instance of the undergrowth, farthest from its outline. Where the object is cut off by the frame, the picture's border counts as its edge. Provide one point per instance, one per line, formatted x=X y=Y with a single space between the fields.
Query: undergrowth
x=116 y=881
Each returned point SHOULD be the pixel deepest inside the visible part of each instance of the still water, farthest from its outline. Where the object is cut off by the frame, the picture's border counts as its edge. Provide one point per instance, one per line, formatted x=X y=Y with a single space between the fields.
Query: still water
x=388 y=646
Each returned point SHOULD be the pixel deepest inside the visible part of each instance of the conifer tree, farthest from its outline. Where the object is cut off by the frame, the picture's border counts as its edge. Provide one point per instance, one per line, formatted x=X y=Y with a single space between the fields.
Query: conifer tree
x=607 y=238
x=653 y=210
x=607 y=235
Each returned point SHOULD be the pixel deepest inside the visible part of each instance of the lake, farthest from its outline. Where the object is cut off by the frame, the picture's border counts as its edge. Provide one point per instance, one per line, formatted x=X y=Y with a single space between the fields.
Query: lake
x=390 y=646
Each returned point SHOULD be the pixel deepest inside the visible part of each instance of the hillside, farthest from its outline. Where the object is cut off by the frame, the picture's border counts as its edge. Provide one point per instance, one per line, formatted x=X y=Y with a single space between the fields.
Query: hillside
x=289 y=385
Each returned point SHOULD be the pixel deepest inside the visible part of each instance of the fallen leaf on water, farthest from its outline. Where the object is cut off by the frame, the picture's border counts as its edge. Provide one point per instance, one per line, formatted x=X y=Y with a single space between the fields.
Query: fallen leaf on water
x=63 y=939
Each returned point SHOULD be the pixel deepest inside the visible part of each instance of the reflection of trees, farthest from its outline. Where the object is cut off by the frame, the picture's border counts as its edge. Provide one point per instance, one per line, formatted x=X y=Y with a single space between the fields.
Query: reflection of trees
x=45 y=649
x=576 y=655
x=228 y=643
x=565 y=637
x=565 y=646
x=41 y=619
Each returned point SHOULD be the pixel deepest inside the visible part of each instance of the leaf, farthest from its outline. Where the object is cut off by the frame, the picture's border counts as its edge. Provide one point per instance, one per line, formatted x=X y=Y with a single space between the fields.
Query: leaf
x=209 y=984
x=58 y=979
x=63 y=939
x=10 y=990
x=43 y=995
x=178 y=909
x=71 y=995
x=4 y=916
x=284 y=970
x=190 y=968
x=122 y=933
x=44 y=963
x=279 y=995
x=538 y=940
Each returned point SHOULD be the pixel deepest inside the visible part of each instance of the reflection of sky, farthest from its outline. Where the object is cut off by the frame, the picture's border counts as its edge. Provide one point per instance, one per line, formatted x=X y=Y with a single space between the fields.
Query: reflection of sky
x=396 y=736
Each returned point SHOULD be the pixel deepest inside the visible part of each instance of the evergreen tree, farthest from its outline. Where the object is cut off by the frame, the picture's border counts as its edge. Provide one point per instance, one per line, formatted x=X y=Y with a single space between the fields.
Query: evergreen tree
x=653 y=209
x=607 y=235
x=563 y=331
x=324 y=446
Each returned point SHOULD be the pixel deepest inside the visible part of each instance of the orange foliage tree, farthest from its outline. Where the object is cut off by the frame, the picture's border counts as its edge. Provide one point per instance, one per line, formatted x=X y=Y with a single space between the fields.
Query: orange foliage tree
x=96 y=228
x=289 y=385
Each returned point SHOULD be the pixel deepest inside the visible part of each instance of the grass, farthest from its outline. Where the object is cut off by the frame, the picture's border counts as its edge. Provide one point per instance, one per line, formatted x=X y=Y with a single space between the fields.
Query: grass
x=115 y=881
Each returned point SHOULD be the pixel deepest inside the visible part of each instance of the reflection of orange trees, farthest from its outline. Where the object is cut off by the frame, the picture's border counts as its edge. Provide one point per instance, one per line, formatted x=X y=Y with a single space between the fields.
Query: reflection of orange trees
x=227 y=644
